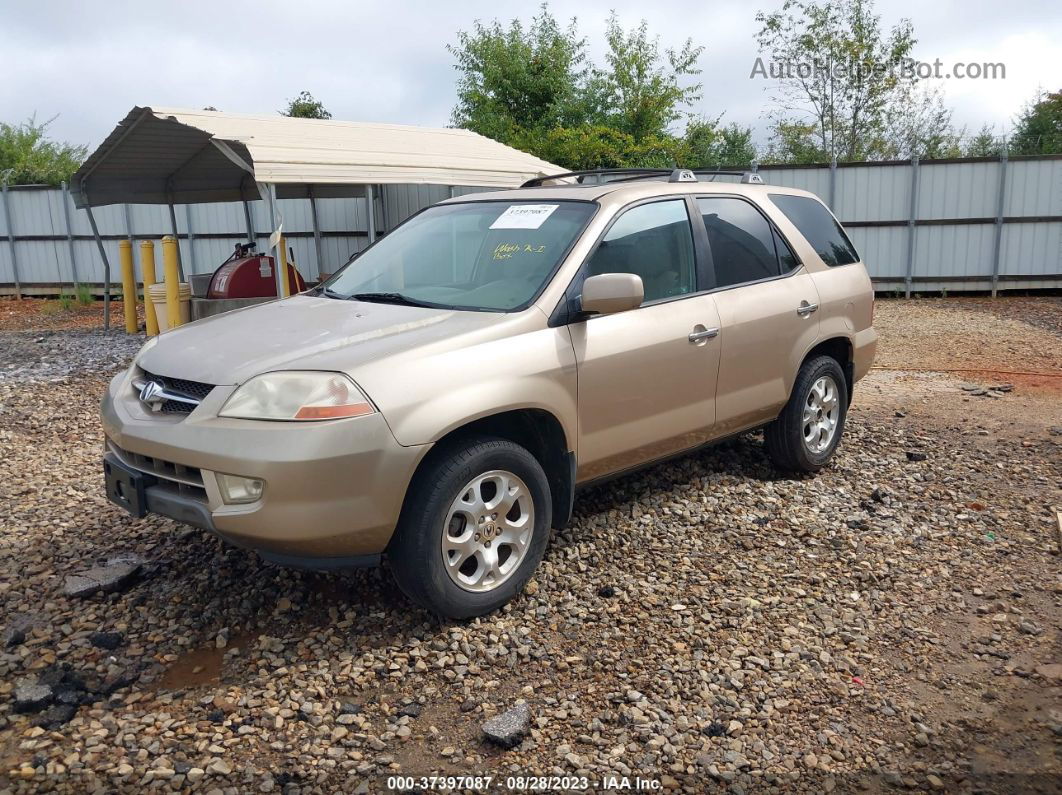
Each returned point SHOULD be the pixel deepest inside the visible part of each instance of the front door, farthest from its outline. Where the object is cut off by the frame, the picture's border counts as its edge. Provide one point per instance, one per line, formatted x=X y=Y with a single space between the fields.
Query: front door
x=647 y=376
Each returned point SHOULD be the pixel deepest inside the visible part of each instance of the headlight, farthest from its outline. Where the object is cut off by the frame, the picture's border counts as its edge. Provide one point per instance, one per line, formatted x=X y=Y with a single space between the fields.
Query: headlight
x=297 y=395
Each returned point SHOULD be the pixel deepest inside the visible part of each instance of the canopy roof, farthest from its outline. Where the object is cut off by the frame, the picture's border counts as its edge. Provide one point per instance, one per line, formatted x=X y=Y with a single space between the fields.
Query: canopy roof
x=161 y=155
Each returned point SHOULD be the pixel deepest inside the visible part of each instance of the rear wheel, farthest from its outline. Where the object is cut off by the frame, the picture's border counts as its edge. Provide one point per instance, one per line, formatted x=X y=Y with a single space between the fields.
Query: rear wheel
x=809 y=428
x=474 y=528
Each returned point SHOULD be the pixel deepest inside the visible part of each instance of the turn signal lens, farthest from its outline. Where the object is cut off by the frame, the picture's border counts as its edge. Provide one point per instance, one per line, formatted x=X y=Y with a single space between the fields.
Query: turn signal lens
x=297 y=395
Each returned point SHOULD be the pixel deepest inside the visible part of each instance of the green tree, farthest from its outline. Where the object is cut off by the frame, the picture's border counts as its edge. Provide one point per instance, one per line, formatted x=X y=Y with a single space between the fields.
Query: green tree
x=532 y=87
x=304 y=106
x=640 y=90
x=709 y=146
x=984 y=144
x=513 y=79
x=1038 y=130
x=840 y=77
x=795 y=142
x=29 y=157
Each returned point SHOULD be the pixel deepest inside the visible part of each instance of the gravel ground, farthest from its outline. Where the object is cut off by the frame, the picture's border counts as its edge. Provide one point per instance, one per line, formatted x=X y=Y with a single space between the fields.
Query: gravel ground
x=892 y=622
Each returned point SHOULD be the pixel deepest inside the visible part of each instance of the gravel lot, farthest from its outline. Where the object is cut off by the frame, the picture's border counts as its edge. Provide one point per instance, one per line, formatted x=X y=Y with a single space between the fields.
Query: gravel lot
x=893 y=622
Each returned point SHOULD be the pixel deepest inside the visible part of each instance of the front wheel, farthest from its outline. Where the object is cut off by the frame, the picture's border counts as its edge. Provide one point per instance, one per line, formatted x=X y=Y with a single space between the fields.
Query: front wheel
x=806 y=433
x=474 y=528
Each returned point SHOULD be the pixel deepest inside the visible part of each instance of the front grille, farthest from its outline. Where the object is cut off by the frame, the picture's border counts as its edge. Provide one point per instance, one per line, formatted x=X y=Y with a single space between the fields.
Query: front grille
x=178 y=478
x=193 y=389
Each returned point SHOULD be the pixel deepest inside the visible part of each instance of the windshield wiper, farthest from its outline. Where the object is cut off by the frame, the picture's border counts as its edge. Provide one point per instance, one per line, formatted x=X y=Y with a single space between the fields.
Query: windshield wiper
x=328 y=292
x=389 y=298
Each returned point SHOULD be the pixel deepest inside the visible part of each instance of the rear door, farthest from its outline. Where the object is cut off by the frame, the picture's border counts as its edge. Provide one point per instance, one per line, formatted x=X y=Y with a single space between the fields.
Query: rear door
x=767 y=311
x=647 y=376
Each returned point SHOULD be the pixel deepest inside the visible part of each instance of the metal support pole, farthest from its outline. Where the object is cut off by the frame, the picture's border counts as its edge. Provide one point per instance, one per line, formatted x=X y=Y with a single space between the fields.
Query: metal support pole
x=912 y=217
x=147 y=271
x=274 y=235
x=370 y=214
x=11 y=242
x=69 y=234
x=316 y=231
x=125 y=260
x=997 y=244
x=177 y=237
x=106 y=265
x=252 y=238
x=191 y=238
x=833 y=184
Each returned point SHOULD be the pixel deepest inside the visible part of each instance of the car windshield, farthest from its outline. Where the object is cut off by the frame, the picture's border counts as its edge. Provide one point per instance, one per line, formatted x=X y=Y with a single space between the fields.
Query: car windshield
x=483 y=255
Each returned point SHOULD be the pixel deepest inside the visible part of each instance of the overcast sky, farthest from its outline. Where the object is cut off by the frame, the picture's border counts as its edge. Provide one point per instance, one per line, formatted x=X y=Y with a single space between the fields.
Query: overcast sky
x=90 y=62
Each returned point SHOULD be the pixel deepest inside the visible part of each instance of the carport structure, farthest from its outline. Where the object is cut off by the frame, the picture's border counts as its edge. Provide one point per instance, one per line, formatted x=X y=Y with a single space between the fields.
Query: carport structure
x=176 y=156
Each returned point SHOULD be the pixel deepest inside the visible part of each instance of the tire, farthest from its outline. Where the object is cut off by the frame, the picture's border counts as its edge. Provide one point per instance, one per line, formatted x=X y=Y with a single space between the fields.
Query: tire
x=447 y=514
x=787 y=438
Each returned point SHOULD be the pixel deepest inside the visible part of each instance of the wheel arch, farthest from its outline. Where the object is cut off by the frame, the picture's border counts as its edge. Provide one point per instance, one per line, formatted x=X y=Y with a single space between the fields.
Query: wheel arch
x=538 y=431
x=840 y=349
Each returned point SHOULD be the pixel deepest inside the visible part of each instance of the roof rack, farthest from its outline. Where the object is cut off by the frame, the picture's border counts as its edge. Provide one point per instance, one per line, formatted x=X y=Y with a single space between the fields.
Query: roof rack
x=633 y=174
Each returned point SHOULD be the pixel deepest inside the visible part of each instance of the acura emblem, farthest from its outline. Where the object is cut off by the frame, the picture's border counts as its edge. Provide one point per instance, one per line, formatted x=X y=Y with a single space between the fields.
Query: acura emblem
x=152 y=393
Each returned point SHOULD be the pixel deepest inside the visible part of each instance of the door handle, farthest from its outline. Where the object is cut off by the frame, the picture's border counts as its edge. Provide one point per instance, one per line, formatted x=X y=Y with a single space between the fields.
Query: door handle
x=806 y=309
x=701 y=336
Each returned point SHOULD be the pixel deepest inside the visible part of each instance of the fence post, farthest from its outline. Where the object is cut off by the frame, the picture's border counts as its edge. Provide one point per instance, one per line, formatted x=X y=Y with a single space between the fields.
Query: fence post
x=11 y=242
x=171 y=274
x=252 y=238
x=833 y=185
x=912 y=217
x=177 y=238
x=997 y=244
x=316 y=231
x=191 y=238
x=106 y=263
x=370 y=214
x=125 y=258
x=70 y=234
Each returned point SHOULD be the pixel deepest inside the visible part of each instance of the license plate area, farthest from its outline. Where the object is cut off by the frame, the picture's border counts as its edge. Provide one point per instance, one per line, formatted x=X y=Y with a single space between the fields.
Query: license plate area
x=126 y=486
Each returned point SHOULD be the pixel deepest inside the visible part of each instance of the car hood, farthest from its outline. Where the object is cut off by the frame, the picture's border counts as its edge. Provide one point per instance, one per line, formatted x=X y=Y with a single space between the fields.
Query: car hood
x=305 y=333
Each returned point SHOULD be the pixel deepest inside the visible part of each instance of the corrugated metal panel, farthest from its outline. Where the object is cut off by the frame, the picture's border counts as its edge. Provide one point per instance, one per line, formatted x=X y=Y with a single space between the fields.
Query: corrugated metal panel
x=870 y=193
x=883 y=249
x=1034 y=187
x=958 y=190
x=953 y=250
x=1031 y=249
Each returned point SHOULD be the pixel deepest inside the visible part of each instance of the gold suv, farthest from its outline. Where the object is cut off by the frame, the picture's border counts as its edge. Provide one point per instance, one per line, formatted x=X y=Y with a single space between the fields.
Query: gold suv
x=443 y=396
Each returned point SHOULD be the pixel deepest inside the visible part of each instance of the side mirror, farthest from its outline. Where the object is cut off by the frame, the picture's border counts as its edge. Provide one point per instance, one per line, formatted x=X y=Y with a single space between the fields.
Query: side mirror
x=609 y=293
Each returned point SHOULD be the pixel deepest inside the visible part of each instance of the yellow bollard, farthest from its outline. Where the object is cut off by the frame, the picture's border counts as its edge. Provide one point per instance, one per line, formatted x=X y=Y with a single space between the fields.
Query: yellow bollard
x=147 y=270
x=125 y=258
x=171 y=275
x=282 y=250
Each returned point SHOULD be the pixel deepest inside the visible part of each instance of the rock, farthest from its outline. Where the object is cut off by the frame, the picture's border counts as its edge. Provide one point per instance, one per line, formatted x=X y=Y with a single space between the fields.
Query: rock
x=1050 y=671
x=468 y=705
x=509 y=728
x=12 y=636
x=914 y=455
x=29 y=696
x=411 y=710
x=1029 y=628
x=220 y=768
x=106 y=640
x=110 y=578
x=55 y=716
x=935 y=782
x=606 y=591
x=195 y=775
x=349 y=708
x=715 y=729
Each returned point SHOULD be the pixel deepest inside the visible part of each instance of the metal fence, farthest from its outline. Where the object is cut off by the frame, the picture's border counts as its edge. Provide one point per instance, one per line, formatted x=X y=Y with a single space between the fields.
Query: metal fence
x=963 y=224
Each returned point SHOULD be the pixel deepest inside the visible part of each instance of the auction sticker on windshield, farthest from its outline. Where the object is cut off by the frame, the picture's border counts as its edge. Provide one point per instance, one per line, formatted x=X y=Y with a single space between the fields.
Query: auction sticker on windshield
x=524 y=216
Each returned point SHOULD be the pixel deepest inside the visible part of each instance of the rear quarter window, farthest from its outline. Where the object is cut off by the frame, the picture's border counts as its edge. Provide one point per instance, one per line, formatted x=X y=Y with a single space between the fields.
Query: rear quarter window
x=819 y=228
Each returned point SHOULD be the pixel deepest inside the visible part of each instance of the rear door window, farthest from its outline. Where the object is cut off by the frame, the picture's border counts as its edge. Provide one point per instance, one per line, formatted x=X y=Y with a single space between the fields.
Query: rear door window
x=741 y=241
x=819 y=228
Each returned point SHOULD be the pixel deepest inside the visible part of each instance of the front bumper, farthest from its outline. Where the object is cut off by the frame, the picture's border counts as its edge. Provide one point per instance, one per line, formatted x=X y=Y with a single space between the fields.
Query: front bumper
x=333 y=490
